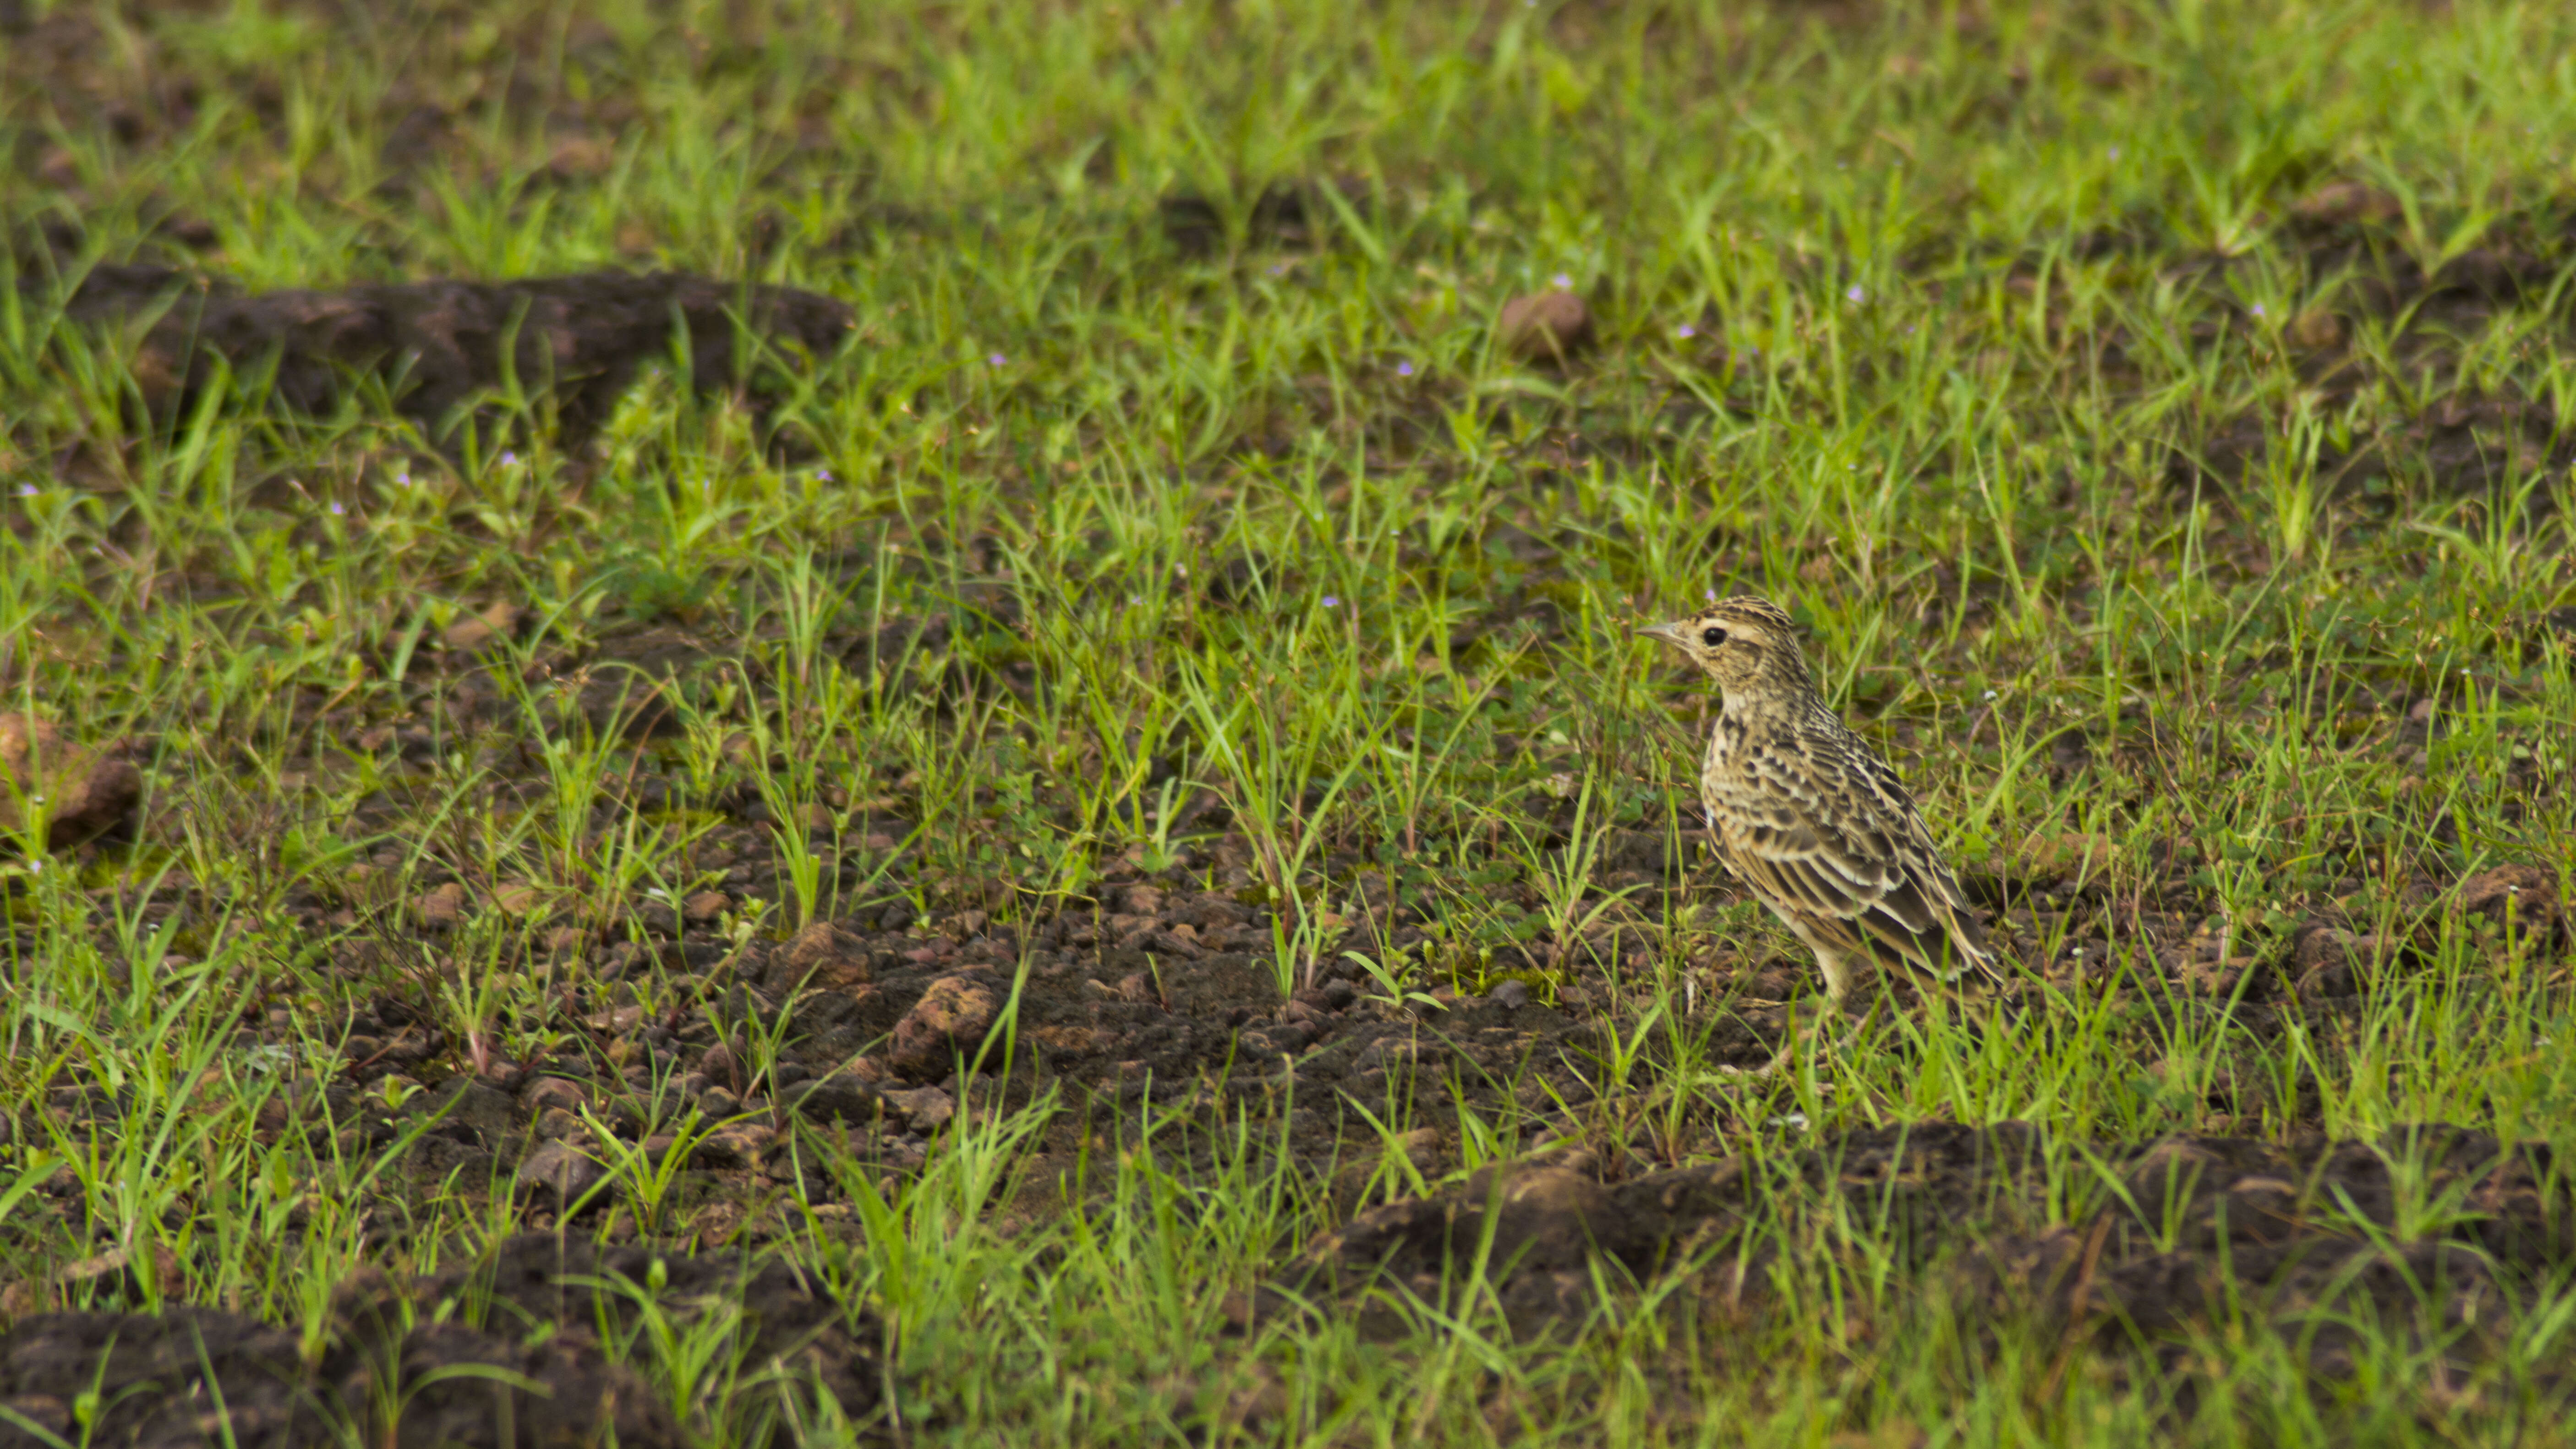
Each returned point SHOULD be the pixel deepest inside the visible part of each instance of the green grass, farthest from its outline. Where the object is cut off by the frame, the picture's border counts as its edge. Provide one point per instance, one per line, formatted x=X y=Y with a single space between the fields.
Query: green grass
x=2012 y=348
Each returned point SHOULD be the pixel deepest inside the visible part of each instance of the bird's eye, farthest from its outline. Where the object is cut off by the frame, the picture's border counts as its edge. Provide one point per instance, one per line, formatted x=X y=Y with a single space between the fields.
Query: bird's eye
x=1712 y=637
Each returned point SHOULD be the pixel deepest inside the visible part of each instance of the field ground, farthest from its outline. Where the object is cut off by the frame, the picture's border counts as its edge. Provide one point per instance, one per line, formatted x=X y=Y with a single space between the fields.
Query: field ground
x=984 y=780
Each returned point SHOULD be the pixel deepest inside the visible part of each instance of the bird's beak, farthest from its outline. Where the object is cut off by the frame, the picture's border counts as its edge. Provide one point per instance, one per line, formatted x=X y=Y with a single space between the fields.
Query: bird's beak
x=1676 y=635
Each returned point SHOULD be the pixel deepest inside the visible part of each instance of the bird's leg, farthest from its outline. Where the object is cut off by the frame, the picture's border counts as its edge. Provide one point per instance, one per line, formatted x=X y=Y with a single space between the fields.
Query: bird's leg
x=1804 y=1034
x=1877 y=999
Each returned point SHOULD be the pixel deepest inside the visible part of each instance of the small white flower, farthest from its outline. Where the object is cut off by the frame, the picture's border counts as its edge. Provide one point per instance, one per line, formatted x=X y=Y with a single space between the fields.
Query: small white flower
x=1990 y=694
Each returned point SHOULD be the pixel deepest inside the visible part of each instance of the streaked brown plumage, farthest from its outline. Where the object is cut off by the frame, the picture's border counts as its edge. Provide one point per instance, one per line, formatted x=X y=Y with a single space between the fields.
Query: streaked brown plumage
x=1814 y=821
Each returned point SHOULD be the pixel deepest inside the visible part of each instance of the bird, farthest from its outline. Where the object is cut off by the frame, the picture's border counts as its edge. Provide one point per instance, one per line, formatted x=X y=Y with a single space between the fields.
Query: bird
x=1816 y=823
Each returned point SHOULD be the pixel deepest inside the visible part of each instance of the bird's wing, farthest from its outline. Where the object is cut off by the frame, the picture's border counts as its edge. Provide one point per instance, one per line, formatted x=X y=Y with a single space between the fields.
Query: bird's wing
x=1839 y=842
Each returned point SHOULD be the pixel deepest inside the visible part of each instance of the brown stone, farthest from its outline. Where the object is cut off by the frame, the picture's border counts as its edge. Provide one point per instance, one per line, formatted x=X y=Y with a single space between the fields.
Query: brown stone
x=2341 y=203
x=80 y=791
x=823 y=956
x=924 y=1109
x=476 y=630
x=739 y=1146
x=1544 y=327
x=441 y=907
x=705 y=907
x=947 y=1023
x=550 y=1093
x=560 y=1169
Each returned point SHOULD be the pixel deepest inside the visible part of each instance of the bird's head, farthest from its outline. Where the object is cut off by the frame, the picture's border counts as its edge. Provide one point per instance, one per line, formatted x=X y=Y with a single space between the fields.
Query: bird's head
x=1747 y=644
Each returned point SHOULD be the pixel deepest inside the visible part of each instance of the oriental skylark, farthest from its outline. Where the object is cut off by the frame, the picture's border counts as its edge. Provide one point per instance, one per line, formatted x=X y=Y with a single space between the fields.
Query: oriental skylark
x=1814 y=821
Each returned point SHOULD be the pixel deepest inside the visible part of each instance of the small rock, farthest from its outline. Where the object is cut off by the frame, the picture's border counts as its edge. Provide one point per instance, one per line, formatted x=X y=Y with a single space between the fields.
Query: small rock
x=1544 y=327
x=441 y=907
x=2341 y=203
x=2212 y=978
x=2322 y=962
x=704 y=908
x=561 y=1169
x=557 y=1125
x=2316 y=329
x=478 y=629
x=823 y=956
x=738 y=1146
x=1383 y=1054
x=924 y=1109
x=616 y=1021
x=721 y=1066
x=1512 y=995
x=949 y=1021
x=833 y=1099
x=551 y=1093
x=82 y=791
x=1142 y=900
x=567 y=941
x=515 y=898
x=1421 y=1147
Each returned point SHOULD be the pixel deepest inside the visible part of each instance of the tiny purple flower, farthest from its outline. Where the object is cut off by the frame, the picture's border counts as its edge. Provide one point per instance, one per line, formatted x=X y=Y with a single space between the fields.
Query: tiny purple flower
x=1854 y=295
x=2258 y=309
x=1404 y=369
x=1331 y=603
x=997 y=359
x=27 y=490
x=403 y=478
x=1712 y=596
x=2115 y=153
x=1686 y=330
x=337 y=510
x=1562 y=281
x=1278 y=269
x=509 y=459
x=822 y=475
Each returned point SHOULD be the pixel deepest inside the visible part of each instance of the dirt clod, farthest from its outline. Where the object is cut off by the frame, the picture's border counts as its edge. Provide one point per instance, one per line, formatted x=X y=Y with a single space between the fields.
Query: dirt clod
x=948 y=1021
x=80 y=791
x=2519 y=898
x=437 y=345
x=1544 y=327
